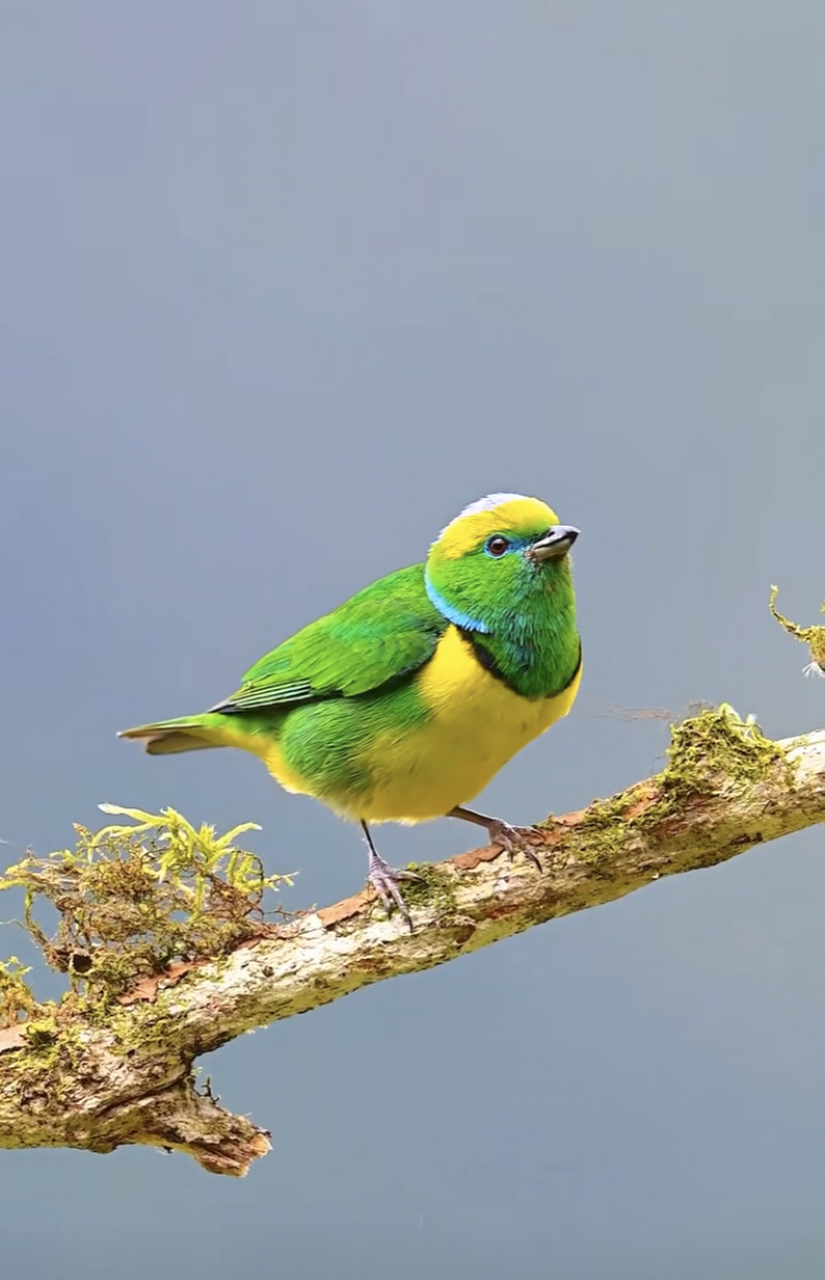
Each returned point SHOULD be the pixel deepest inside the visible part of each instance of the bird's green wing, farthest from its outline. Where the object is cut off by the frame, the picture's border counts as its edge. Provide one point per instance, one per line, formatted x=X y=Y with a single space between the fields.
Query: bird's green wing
x=383 y=633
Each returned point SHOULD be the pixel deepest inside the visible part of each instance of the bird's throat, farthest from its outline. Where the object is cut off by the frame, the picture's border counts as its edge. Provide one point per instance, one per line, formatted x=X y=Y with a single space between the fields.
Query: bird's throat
x=525 y=636
x=536 y=663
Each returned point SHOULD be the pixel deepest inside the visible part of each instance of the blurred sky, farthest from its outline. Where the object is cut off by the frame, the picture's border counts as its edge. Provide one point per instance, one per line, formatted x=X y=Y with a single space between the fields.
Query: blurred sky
x=284 y=286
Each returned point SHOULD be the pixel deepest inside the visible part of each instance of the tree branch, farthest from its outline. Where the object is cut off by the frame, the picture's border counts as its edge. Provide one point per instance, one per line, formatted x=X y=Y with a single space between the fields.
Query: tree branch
x=125 y=1076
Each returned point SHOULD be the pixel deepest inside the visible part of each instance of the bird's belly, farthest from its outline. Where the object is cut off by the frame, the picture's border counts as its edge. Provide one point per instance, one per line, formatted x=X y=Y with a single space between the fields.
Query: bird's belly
x=476 y=725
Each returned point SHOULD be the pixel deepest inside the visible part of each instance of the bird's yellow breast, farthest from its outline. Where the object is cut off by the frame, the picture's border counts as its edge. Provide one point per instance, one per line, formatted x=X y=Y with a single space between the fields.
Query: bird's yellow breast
x=476 y=725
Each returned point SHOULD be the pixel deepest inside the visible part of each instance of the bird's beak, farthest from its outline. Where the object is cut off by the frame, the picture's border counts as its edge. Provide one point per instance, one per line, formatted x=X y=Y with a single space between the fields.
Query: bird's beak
x=554 y=544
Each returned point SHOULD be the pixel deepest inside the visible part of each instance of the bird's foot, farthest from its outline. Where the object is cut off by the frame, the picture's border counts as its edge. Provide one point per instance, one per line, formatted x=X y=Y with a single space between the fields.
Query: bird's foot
x=385 y=880
x=514 y=840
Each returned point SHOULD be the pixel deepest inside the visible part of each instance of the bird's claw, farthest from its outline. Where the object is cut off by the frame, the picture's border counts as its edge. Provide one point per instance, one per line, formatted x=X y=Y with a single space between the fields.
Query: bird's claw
x=514 y=840
x=384 y=880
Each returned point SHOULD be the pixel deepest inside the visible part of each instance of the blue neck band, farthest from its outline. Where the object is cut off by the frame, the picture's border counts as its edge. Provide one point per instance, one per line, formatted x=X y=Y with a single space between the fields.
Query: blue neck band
x=453 y=615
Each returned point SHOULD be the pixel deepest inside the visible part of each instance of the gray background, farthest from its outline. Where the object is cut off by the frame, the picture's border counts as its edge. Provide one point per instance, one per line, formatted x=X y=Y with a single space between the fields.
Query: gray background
x=284 y=286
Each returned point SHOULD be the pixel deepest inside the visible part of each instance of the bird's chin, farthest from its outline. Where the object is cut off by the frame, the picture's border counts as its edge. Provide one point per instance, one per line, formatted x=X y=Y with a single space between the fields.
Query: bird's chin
x=550 y=564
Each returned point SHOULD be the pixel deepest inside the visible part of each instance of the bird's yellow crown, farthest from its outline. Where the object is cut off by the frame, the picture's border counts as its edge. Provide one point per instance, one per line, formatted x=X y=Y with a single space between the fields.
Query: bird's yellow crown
x=497 y=513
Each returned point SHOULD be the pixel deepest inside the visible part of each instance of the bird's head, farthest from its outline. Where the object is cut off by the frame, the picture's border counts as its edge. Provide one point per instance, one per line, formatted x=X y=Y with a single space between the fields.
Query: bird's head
x=502 y=556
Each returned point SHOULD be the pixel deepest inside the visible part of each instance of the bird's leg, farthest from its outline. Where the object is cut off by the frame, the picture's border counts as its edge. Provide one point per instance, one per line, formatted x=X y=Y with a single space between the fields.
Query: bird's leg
x=512 y=839
x=384 y=878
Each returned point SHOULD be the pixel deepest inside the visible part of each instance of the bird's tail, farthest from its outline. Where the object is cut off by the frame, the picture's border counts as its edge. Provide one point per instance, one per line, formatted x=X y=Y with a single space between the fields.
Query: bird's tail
x=188 y=733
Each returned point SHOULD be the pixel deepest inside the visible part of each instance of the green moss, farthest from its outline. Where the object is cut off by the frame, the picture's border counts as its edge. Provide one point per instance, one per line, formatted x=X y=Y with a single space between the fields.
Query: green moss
x=813 y=637
x=435 y=888
x=602 y=830
x=712 y=751
x=41 y=1033
x=45 y=1070
x=16 y=996
x=716 y=744
x=133 y=900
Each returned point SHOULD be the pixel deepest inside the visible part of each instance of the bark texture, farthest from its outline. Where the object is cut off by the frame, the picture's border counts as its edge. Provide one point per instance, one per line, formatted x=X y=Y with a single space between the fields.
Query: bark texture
x=124 y=1075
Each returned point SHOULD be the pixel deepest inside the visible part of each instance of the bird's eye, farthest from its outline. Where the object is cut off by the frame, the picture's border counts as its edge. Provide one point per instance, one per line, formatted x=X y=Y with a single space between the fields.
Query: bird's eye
x=497 y=545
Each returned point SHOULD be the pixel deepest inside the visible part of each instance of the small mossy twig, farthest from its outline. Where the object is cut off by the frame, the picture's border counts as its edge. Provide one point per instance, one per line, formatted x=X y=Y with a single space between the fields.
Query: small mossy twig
x=813 y=637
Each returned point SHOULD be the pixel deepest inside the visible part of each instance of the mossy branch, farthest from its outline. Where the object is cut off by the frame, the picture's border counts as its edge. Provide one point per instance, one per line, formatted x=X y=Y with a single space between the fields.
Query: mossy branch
x=169 y=954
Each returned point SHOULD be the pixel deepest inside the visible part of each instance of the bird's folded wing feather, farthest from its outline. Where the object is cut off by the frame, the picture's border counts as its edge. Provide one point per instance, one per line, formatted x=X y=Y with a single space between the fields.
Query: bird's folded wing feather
x=384 y=632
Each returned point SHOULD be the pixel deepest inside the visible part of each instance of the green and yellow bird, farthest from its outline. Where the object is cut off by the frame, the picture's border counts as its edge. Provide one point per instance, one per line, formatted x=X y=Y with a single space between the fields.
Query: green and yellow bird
x=402 y=703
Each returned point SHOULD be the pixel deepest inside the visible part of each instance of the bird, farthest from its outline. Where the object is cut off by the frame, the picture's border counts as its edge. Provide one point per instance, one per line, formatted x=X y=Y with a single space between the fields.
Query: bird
x=402 y=703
